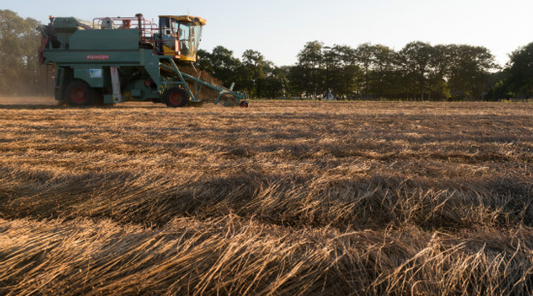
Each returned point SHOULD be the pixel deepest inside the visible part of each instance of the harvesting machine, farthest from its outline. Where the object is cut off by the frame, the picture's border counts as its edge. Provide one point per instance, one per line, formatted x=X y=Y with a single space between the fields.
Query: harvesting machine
x=113 y=60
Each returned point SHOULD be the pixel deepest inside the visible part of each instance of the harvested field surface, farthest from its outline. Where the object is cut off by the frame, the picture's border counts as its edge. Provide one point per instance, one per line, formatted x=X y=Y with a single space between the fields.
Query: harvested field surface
x=27 y=101
x=283 y=198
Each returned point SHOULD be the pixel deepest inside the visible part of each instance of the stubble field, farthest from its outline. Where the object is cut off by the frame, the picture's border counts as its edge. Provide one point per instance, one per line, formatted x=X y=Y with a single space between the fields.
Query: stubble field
x=283 y=198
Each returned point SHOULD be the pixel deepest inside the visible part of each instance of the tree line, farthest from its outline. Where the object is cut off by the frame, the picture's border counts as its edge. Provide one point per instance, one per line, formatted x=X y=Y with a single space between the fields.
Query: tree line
x=418 y=71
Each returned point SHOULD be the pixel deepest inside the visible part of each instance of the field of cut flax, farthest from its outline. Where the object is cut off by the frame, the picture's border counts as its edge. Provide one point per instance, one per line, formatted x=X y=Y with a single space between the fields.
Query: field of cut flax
x=283 y=198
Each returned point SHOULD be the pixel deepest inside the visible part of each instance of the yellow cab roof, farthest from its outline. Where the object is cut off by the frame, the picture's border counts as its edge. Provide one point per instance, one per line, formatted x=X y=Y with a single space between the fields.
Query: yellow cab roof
x=187 y=19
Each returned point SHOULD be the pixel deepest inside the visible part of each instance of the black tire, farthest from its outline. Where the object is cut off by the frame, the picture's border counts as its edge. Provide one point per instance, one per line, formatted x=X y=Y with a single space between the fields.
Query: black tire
x=176 y=97
x=79 y=93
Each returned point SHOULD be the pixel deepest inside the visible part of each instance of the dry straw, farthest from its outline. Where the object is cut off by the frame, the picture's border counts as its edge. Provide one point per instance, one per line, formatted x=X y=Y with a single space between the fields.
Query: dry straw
x=303 y=198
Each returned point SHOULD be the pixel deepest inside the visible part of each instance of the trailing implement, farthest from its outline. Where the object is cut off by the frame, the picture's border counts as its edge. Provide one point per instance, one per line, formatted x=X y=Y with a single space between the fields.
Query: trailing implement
x=120 y=59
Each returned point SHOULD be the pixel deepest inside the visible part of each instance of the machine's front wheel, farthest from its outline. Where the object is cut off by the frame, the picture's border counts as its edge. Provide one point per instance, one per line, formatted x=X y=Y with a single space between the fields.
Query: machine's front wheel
x=176 y=97
x=243 y=104
x=79 y=93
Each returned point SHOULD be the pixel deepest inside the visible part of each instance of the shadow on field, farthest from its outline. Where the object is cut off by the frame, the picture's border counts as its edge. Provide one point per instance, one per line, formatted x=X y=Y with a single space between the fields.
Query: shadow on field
x=29 y=107
x=32 y=103
x=28 y=103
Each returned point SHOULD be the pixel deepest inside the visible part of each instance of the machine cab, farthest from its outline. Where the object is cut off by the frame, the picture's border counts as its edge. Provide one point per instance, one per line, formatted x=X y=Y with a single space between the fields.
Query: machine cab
x=180 y=36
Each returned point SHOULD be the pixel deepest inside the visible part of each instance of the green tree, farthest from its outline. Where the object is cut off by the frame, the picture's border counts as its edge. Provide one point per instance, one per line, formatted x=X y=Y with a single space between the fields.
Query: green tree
x=253 y=69
x=19 y=43
x=205 y=62
x=342 y=71
x=298 y=80
x=499 y=86
x=520 y=71
x=470 y=68
x=439 y=72
x=331 y=70
x=310 y=69
x=384 y=81
x=364 y=55
x=221 y=64
x=278 y=84
x=415 y=60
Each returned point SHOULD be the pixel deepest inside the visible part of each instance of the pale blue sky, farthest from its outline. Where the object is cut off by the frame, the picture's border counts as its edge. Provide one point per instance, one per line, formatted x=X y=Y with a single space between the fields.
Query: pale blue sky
x=279 y=29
